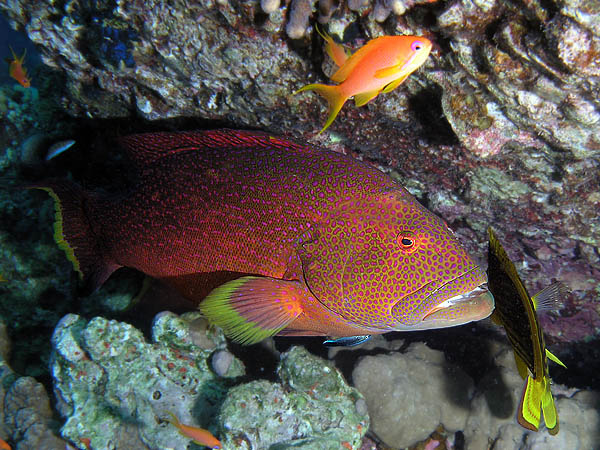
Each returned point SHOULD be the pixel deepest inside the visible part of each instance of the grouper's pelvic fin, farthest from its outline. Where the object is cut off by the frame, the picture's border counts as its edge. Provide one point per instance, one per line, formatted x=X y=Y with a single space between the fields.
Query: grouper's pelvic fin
x=73 y=234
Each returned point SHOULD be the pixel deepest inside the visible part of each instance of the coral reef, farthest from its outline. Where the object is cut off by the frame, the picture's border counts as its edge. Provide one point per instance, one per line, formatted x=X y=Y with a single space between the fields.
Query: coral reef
x=25 y=414
x=28 y=414
x=312 y=408
x=499 y=127
x=109 y=381
x=114 y=386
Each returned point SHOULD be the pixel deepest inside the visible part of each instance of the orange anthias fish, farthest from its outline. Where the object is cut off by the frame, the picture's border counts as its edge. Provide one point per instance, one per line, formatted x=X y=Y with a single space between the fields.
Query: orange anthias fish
x=16 y=69
x=381 y=65
x=198 y=435
x=4 y=445
x=296 y=240
x=516 y=312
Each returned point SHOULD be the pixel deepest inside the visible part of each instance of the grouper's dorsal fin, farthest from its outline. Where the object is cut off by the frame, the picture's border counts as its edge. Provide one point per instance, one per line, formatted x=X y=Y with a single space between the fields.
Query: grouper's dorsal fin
x=146 y=148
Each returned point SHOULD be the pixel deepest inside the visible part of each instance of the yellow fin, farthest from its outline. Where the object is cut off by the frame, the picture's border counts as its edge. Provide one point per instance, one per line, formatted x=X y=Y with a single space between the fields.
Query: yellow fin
x=365 y=97
x=529 y=412
x=250 y=309
x=521 y=366
x=334 y=96
x=394 y=84
x=389 y=71
x=552 y=357
x=549 y=409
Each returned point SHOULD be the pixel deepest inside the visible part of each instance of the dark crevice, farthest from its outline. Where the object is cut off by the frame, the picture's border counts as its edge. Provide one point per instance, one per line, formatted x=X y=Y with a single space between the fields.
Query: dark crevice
x=426 y=106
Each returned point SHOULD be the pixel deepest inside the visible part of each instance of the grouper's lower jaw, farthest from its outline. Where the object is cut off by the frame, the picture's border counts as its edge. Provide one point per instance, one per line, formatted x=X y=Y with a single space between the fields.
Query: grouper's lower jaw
x=469 y=307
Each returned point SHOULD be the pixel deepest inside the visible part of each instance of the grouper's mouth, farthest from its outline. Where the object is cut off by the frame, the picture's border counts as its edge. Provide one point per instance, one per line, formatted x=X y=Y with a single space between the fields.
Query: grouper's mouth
x=464 y=299
x=460 y=309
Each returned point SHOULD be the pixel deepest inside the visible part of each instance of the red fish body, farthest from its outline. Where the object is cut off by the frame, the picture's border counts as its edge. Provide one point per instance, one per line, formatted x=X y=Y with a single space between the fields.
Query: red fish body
x=296 y=240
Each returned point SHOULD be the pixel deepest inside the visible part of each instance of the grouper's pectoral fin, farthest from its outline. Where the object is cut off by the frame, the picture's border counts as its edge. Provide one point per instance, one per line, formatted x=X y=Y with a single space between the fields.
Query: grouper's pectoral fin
x=250 y=309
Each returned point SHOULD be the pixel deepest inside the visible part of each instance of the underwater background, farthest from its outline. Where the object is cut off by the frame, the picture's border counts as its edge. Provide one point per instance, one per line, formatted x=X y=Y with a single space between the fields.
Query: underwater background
x=499 y=127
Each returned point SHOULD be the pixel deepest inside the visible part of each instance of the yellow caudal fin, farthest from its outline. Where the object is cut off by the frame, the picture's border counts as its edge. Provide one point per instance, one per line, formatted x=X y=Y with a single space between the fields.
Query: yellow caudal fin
x=334 y=96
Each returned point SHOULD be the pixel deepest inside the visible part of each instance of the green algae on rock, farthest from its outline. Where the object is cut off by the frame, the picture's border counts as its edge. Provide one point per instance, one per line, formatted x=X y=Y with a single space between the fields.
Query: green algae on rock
x=115 y=387
x=313 y=408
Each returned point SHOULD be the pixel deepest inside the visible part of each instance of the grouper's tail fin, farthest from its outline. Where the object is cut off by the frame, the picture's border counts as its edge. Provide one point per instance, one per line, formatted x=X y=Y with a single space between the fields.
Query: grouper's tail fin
x=73 y=233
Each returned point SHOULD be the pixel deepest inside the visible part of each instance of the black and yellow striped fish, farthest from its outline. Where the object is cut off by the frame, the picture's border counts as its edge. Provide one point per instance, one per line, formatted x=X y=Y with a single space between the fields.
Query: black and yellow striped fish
x=516 y=312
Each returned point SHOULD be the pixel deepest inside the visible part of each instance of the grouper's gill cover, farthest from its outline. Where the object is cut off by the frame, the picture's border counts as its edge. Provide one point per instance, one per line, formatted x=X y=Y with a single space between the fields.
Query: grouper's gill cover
x=387 y=262
x=284 y=238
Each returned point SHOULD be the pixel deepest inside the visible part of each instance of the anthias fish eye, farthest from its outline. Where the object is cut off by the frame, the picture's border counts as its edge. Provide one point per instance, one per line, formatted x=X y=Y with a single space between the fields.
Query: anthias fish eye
x=416 y=46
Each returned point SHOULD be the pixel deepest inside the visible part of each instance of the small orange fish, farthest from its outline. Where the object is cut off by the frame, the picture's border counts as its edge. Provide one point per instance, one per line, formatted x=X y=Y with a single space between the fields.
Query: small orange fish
x=381 y=65
x=4 y=445
x=198 y=435
x=16 y=69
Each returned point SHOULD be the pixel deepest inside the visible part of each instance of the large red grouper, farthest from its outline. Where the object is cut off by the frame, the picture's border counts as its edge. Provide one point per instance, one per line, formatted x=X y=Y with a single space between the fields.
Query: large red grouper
x=271 y=237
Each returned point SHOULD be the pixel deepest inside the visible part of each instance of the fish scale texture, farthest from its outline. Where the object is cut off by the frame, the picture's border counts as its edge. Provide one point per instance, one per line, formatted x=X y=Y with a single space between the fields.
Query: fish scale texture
x=222 y=206
x=209 y=207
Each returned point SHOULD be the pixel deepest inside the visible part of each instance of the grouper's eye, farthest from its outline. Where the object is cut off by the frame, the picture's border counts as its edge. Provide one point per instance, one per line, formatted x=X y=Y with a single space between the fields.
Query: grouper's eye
x=407 y=241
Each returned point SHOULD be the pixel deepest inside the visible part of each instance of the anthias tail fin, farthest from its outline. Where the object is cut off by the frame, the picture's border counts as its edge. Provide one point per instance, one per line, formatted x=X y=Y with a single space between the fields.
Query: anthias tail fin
x=73 y=234
x=250 y=309
x=334 y=96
